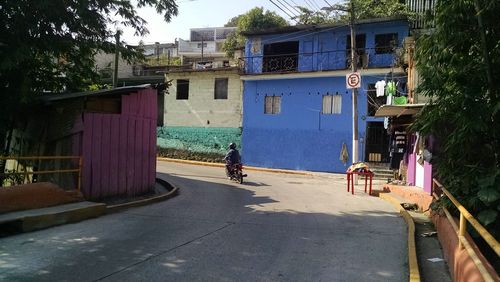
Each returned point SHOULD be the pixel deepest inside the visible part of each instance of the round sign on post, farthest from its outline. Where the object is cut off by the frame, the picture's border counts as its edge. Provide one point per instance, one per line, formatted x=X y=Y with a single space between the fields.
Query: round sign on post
x=353 y=80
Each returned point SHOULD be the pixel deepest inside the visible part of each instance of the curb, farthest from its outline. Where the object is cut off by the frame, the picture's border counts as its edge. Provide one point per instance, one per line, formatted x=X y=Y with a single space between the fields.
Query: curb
x=284 y=171
x=412 y=251
x=174 y=191
x=51 y=216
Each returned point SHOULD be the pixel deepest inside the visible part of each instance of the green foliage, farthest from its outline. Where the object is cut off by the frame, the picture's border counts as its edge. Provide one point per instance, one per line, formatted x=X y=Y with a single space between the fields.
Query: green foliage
x=367 y=9
x=49 y=46
x=253 y=20
x=463 y=113
x=309 y=17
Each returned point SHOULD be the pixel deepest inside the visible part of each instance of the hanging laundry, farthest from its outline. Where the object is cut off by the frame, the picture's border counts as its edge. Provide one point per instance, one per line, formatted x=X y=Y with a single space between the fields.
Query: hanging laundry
x=391 y=88
x=380 y=86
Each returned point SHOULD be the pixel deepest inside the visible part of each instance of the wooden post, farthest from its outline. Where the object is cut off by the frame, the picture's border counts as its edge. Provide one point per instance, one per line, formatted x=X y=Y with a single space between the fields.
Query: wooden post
x=80 y=164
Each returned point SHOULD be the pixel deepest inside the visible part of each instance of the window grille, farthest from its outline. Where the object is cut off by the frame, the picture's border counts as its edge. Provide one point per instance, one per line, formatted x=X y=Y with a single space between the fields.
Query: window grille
x=272 y=105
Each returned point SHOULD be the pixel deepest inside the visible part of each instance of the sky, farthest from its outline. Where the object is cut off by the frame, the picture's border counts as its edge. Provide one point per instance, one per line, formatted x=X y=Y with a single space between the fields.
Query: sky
x=204 y=13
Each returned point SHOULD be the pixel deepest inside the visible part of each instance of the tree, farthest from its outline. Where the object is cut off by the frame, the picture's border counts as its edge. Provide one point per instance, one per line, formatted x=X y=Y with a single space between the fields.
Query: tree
x=49 y=46
x=458 y=63
x=310 y=17
x=367 y=9
x=253 y=20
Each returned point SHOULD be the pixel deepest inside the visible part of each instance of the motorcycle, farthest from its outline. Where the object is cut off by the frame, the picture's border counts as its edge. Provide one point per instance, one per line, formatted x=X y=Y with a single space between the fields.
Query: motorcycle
x=236 y=173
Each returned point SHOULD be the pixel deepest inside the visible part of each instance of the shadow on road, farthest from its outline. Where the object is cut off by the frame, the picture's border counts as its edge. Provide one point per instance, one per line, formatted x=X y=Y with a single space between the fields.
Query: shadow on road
x=220 y=232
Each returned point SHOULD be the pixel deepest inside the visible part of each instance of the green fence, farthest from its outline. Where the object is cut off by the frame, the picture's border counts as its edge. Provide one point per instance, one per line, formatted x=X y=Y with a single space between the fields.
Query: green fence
x=196 y=142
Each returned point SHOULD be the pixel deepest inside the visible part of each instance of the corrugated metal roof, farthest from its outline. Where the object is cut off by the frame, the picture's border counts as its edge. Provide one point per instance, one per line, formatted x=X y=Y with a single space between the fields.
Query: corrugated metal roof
x=103 y=92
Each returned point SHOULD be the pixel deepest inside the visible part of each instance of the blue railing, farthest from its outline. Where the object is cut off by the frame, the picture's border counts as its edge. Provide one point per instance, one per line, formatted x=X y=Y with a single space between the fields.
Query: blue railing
x=317 y=61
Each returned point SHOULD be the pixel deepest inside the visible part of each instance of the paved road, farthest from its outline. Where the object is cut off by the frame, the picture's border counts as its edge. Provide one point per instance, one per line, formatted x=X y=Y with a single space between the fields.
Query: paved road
x=274 y=227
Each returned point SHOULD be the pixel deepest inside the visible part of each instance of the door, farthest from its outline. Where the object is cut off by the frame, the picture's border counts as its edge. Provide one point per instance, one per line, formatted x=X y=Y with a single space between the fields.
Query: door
x=377 y=143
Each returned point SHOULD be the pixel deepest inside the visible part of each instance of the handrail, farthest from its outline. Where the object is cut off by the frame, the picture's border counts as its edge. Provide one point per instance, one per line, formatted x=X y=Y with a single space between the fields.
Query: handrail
x=465 y=213
x=78 y=170
x=461 y=230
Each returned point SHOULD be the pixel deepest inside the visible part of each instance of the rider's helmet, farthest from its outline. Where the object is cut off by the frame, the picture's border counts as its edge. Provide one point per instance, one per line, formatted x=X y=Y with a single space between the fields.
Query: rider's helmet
x=232 y=146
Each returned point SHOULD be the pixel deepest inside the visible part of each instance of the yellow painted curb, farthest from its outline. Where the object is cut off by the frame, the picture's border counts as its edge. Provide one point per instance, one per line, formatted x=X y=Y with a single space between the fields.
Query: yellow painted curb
x=244 y=166
x=412 y=250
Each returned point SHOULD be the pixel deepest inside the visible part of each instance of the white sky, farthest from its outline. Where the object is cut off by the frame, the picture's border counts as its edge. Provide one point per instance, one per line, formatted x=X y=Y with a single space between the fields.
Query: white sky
x=204 y=13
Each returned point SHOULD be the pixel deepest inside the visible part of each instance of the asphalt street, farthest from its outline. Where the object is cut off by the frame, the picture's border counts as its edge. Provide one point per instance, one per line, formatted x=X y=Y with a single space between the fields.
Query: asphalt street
x=273 y=227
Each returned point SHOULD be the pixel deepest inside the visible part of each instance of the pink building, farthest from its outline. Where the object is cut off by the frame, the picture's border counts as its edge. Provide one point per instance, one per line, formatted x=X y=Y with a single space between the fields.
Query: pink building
x=419 y=169
x=113 y=130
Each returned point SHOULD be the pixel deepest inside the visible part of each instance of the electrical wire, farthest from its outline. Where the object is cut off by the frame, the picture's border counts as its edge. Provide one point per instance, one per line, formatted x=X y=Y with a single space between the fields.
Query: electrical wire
x=308 y=5
x=316 y=4
x=293 y=7
x=288 y=9
x=281 y=9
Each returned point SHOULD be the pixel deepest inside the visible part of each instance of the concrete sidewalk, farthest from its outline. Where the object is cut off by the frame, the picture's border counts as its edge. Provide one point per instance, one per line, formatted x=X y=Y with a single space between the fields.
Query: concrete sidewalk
x=39 y=218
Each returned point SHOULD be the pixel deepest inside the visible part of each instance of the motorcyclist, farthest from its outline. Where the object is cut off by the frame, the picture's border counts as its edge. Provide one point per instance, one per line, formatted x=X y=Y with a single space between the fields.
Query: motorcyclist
x=232 y=157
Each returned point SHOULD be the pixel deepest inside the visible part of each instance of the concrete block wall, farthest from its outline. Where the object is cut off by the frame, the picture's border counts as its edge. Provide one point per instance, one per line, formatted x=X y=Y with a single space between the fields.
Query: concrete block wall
x=201 y=109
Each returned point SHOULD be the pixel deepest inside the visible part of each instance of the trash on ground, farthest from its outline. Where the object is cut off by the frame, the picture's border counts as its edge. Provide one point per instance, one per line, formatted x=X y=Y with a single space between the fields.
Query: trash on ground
x=409 y=206
x=435 y=259
x=429 y=234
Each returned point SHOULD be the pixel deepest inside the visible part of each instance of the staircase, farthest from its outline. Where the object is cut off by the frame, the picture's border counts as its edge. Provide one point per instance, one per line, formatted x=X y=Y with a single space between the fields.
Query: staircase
x=381 y=171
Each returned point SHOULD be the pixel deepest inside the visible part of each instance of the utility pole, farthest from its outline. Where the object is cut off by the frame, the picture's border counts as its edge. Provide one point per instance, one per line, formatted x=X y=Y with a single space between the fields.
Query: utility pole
x=354 y=68
x=157 y=47
x=202 y=43
x=117 y=56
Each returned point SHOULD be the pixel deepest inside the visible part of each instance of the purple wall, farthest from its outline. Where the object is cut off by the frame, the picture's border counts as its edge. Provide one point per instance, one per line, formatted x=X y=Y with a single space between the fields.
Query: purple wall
x=119 y=150
x=427 y=177
x=412 y=159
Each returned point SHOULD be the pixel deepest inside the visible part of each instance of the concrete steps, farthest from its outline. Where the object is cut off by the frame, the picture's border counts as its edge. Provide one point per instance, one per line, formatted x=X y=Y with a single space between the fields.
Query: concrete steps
x=381 y=171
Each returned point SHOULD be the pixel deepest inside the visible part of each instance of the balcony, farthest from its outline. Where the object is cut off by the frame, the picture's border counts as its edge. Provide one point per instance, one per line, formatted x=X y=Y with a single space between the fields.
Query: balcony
x=317 y=61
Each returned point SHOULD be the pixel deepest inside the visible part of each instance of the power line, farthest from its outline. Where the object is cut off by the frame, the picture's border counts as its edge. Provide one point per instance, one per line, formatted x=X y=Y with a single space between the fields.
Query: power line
x=293 y=7
x=288 y=9
x=281 y=9
x=316 y=4
x=310 y=5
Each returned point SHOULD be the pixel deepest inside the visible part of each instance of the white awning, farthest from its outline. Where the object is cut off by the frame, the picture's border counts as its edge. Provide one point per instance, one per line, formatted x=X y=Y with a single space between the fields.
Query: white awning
x=398 y=110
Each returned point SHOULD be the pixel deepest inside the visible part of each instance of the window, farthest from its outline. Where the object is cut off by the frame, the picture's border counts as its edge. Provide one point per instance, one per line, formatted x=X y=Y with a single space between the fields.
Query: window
x=332 y=104
x=204 y=45
x=272 y=105
x=220 y=88
x=182 y=89
x=280 y=57
x=385 y=43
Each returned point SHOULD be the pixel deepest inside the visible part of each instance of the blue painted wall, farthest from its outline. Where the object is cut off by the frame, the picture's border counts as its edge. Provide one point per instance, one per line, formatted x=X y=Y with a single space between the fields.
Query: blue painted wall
x=325 y=49
x=300 y=137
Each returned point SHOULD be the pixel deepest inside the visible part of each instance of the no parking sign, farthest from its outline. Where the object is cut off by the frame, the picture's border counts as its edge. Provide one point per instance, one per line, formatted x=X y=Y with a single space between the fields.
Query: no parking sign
x=353 y=80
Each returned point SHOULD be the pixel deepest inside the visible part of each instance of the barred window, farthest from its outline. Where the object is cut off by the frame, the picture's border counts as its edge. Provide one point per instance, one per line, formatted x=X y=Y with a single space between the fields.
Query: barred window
x=385 y=43
x=182 y=89
x=220 y=88
x=332 y=104
x=272 y=105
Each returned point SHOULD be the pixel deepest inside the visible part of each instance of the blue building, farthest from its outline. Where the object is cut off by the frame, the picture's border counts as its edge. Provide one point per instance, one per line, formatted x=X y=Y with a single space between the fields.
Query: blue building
x=297 y=112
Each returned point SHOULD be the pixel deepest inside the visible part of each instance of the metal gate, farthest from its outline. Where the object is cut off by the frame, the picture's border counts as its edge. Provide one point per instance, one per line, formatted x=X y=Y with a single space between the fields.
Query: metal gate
x=377 y=143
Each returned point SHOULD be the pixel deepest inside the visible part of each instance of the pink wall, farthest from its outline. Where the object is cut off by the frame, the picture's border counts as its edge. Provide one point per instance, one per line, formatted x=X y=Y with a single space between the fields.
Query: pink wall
x=411 y=173
x=119 y=150
x=427 y=177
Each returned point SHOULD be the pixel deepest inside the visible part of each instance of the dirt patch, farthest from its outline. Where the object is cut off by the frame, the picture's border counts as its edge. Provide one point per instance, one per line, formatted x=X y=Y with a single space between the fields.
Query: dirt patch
x=34 y=196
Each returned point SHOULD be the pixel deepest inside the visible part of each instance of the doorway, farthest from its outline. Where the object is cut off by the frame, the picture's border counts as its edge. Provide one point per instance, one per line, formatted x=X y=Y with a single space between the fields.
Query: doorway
x=377 y=143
